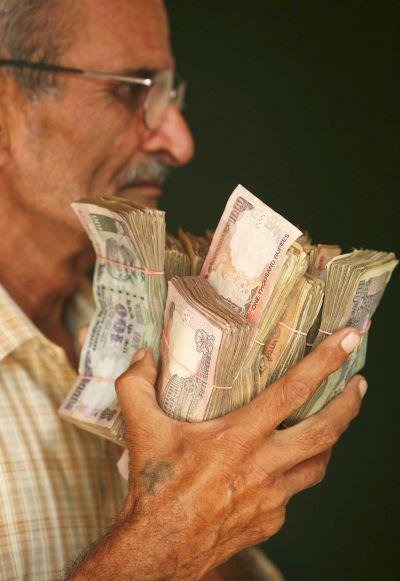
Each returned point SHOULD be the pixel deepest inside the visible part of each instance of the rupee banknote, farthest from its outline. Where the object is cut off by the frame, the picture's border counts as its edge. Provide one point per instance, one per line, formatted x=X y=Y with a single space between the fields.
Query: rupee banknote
x=203 y=345
x=355 y=285
x=224 y=335
x=247 y=253
x=287 y=343
x=129 y=297
x=188 y=370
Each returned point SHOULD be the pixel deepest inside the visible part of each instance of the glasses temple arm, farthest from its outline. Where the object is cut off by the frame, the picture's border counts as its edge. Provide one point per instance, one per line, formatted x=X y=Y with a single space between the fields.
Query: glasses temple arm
x=20 y=64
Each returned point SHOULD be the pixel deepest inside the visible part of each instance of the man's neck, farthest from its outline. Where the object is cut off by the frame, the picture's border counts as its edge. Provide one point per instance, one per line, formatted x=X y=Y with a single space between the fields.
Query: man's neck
x=41 y=266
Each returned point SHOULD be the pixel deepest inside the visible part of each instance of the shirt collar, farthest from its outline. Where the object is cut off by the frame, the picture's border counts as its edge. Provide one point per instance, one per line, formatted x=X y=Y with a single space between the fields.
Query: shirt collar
x=17 y=328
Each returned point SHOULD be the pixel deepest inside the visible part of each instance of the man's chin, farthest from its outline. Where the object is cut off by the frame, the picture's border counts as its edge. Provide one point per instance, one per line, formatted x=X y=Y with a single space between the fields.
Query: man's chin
x=146 y=196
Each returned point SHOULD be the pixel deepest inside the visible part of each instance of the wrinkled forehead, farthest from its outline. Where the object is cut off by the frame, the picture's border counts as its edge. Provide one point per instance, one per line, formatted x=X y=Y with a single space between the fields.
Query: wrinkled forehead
x=122 y=34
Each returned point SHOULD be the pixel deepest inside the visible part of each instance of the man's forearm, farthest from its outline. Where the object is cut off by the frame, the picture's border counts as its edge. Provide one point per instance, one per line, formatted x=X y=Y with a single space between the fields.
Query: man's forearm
x=148 y=541
x=131 y=551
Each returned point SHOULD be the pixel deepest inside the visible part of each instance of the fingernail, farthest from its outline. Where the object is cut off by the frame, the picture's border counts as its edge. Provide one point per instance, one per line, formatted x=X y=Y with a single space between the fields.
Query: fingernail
x=350 y=342
x=363 y=386
x=138 y=356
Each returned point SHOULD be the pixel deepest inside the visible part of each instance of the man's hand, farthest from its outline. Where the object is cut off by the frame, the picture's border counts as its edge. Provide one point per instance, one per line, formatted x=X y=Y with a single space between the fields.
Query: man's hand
x=199 y=493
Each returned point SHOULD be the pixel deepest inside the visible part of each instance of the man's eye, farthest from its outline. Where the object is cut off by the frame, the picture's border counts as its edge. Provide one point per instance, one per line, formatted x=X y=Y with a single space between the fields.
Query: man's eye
x=131 y=94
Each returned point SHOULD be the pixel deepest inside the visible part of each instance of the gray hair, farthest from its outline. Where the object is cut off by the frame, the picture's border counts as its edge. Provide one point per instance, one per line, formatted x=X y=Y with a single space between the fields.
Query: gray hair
x=39 y=31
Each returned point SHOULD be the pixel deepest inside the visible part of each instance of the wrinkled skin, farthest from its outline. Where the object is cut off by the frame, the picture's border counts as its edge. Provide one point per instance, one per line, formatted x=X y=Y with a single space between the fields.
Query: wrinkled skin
x=198 y=493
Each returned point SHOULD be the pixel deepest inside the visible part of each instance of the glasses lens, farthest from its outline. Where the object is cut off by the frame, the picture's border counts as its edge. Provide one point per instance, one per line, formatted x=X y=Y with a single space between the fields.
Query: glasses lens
x=180 y=94
x=158 y=98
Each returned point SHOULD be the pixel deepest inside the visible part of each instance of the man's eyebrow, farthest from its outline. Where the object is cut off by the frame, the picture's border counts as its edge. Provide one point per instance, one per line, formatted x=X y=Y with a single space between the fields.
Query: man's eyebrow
x=142 y=73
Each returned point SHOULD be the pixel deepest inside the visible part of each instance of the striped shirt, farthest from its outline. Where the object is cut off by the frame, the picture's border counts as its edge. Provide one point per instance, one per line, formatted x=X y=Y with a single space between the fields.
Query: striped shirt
x=59 y=486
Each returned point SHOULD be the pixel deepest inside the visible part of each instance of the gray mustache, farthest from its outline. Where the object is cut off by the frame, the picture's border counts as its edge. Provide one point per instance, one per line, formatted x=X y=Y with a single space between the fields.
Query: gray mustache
x=149 y=171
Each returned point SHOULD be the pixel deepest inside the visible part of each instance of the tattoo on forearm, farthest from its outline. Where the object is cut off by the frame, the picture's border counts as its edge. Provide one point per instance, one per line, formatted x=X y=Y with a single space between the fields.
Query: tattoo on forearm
x=154 y=473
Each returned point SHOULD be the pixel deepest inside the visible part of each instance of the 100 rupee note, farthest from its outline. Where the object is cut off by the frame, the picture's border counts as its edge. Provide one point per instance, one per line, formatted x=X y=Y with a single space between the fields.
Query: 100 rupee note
x=129 y=308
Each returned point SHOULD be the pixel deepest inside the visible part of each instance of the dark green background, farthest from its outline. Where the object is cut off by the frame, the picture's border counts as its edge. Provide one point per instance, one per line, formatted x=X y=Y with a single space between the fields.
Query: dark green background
x=300 y=103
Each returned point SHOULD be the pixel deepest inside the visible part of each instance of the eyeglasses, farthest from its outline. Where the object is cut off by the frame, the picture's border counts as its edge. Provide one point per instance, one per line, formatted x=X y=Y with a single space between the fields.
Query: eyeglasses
x=162 y=88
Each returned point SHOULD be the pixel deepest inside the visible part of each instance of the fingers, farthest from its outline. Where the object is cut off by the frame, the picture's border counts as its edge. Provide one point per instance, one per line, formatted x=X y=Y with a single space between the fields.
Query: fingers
x=307 y=473
x=135 y=388
x=321 y=431
x=287 y=394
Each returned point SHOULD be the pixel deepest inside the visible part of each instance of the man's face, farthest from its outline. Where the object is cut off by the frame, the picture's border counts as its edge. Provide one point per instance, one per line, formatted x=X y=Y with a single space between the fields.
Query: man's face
x=92 y=141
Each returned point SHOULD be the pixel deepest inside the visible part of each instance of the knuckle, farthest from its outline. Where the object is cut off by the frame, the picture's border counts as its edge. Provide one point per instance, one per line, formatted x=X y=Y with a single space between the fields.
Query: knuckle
x=273 y=523
x=330 y=355
x=324 y=433
x=235 y=442
x=329 y=434
x=280 y=519
x=281 y=497
x=265 y=478
x=275 y=495
x=294 y=391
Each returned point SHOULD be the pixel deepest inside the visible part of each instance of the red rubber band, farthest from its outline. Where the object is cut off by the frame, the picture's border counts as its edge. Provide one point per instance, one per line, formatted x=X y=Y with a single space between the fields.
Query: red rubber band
x=129 y=267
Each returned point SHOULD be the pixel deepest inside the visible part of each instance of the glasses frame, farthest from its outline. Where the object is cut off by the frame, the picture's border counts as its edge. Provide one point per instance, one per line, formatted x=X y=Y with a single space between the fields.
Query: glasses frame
x=176 y=92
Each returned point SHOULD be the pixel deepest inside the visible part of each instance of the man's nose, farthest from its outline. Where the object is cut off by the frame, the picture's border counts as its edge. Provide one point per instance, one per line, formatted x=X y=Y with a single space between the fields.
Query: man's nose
x=172 y=141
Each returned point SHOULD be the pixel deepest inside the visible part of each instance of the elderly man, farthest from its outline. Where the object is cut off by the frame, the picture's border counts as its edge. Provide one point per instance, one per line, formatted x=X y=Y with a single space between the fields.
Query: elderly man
x=197 y=493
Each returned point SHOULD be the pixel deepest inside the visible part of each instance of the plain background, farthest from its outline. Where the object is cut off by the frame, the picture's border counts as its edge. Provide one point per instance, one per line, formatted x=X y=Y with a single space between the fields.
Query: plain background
x=299 y=101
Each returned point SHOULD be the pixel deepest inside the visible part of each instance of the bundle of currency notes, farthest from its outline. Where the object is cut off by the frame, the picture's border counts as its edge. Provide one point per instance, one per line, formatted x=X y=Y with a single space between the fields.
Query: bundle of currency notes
x=129 y=290
x=355 y=283
x=250 y=382
x=287 y=343
x=203 y=347
x=256 y=266
x=245 y=303
x=253 y=264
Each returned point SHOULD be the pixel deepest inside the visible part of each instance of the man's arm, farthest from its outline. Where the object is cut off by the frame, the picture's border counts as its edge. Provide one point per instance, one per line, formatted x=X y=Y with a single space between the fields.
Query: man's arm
x=201 y=492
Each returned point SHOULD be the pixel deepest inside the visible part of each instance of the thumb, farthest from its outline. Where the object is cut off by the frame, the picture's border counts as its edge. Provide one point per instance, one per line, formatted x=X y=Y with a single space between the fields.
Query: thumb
x=136 y=392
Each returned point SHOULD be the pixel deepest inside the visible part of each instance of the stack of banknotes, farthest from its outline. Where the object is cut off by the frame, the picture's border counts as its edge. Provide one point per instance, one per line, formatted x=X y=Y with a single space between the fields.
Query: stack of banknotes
x=129 y=290
x=244 y=304
x=355 y=283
